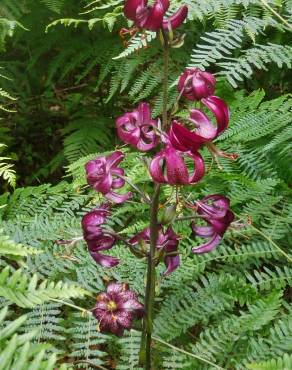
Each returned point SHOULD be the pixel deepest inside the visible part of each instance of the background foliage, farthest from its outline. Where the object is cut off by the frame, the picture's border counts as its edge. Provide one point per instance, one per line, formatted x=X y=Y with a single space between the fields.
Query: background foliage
x=65 y=77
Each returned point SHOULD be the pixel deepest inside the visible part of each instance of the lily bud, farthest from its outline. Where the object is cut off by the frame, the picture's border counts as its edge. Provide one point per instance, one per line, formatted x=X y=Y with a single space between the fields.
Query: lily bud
x=168 y=214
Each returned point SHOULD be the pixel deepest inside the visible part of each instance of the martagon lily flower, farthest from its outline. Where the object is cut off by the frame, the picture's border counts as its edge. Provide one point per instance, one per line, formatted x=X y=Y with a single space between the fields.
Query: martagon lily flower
x=153 y=18
x=103 y=174
x=167 y=242
x=195 y=84
x=117 y=308
x=97 y=238
x=215 y=210
x=204 y=131
x=168 y=167
x=138 y=129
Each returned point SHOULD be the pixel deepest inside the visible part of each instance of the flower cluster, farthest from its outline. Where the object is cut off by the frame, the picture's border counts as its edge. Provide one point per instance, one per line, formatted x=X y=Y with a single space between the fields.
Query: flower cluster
x=176 y=161
x=153 y=18
x=97 y=238
x=215 y=211
x=104 y=175
x=117 y=308
x=166 y=245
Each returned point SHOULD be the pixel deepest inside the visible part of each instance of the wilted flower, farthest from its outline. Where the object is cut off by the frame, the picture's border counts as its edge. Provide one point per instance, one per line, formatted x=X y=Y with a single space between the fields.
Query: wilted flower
x=117 y=308
x=152 y=17
x=138 y=129
x=97 y=238
x=195 y=84
x=167 y=241
x=168 y=167
x=204 y=131
x=103 y=174
x=215 y=210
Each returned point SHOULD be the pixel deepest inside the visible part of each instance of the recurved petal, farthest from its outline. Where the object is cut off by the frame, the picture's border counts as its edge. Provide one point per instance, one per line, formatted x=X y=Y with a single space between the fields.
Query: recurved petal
x=155 y=168
x=118 y=198
x=101 y=243
x=209 y=246
x=104 y=185
x=118 y=183
x=171 y=263
x=103 y=260
x=204 y=127
x=154 y=20
x=176 y=170
x=183 y=139
x=131 y=6
x=114 y=159
x=202 y=231
x=144 y=114
x=176 y=19
x=199 y=170
x=220 y=110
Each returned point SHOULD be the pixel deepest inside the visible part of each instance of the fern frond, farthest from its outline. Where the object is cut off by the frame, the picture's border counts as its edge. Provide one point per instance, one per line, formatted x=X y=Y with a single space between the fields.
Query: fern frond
x=28 y=292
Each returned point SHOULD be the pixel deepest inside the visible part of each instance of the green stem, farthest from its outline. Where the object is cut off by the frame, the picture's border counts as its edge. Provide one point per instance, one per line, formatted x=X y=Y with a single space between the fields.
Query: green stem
x=145 y=349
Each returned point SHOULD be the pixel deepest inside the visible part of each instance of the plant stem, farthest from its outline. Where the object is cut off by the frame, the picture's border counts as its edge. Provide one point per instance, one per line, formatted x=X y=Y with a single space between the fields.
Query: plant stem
x=145 y=351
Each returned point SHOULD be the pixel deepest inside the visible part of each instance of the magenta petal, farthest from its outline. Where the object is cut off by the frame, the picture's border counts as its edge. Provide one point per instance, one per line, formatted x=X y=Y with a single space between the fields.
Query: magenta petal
x=131 y=7
x=176 y=170
x=104 y=185
x=101 y=243
x=203 y=231
x=115 y=288
x=154 y=19
x=105 y=261
x=209 y=246
x=220 y=226
x=204 y=127
x=183 y=139
x=114 y=159
x=199 y=170
x=118 y=198
x=176 y=19
x=130 y=305
x=172 y=263
x=118 y=183
x=156 y=168
x=220 y=110
x=125 y=319
x=144 y=113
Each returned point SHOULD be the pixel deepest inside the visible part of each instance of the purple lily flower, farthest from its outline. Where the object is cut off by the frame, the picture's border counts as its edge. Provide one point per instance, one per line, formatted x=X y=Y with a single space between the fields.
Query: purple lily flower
x=195 y=84
x=176 y=172
x=103 y=175
x=152 y=17
x=215 y=210
x=97 y=238
x=167 y=241
x=183 y=139
x=117 y=308
x=138 y=129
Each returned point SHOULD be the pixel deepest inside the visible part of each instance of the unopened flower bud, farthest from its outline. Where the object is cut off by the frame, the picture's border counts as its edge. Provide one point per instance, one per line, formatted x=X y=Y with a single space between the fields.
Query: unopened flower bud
x=168 y=214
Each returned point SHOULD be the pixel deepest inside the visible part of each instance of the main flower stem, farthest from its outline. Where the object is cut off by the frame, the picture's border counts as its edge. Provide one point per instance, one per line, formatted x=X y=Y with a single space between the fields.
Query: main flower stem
x=145 y=353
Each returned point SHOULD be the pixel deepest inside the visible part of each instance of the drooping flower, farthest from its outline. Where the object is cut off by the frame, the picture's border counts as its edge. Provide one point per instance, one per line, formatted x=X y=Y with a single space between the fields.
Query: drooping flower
x=167 y=242
x=138 y=129
x=195 y=84
x=204 y=131
x=117 y=308
x=168 y=167
x=97 y=238
x=215 y=210
x=103 y=174
x=152 y=17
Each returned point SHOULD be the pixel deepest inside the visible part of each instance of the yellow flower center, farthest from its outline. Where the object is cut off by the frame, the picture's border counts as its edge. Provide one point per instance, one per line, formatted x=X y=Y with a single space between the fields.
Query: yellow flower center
x=112 y=306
